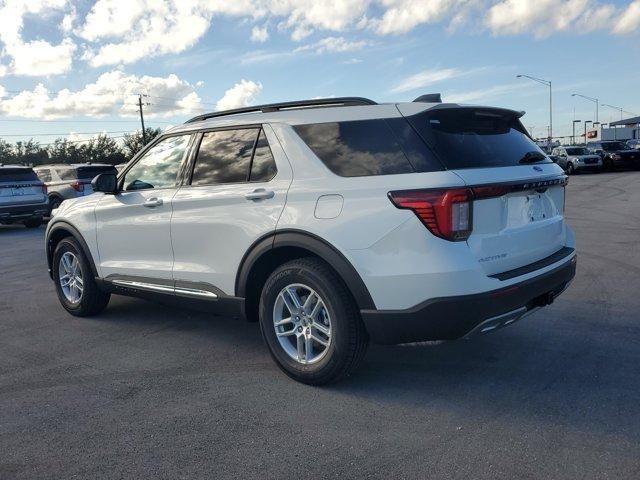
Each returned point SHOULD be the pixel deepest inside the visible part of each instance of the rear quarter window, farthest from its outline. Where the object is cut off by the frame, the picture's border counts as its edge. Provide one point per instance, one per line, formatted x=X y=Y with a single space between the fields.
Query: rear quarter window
x=91 y=172
x=368 y=147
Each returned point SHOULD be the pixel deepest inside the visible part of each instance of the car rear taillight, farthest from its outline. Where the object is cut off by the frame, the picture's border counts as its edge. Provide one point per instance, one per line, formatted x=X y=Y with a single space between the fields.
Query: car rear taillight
x=44 y=189
x=445 y=212
x=77 y=186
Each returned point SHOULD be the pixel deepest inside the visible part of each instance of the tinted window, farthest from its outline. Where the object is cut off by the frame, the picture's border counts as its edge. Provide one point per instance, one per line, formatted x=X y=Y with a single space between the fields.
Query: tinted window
x=44 y=174
x=577 y=151
x=474 y=138
x=91 y=172
x=224 y=156
x=368 y=147
x=263 y=166
x=613 y=146
x=159 y=166
x=17 y=175
x=67 y=173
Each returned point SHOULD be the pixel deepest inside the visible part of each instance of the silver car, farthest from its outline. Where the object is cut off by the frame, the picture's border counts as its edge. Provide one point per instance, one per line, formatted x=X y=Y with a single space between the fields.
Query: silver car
x=70 y=181
x=23 y=197
x=575 y=159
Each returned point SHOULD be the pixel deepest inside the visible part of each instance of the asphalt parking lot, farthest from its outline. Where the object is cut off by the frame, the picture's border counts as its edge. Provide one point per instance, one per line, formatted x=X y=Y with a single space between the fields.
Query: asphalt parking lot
x=149 y=391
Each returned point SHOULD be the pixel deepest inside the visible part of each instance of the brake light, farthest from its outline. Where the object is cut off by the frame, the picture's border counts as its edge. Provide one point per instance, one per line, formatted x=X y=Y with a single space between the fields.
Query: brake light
x=44 y=189
x=445 y=212
x=77 y=186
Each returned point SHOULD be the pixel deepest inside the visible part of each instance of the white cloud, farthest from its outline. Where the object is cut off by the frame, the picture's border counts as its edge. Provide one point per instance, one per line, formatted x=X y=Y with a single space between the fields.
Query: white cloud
x=401 y=16
x=543 y=18
x=426 y=78
x=630 y=19
x=37 y=57
x=241 y=94
x=113 y=93
x=333 y=45
x=259 y=34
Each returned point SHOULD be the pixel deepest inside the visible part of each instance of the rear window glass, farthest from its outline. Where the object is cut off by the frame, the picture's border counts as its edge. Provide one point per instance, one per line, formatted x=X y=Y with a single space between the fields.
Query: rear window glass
x=472 y=138
x=368 y=147
x=91 y=172
x=67 y=173
x=17 y=175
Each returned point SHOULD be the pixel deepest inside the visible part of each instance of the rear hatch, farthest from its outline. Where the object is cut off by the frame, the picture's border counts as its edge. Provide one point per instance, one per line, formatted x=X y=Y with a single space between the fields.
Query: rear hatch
x=518 y=192
x=20 y=186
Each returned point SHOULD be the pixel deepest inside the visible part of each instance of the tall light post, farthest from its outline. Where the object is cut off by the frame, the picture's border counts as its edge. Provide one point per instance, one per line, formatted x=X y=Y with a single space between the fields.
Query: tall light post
x=615 y=108
x=585 y=131
x=573 y=136
x=548 y=84
x=595 y=124
x=595 y=100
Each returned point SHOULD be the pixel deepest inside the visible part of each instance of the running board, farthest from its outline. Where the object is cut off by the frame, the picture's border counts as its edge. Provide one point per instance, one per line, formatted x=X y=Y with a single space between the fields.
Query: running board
x=153 y=287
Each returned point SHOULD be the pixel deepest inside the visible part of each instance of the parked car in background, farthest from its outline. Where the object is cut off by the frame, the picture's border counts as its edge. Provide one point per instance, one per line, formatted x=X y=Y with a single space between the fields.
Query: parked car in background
x=576 y=159
x=633 y=144
x=70 y=181
x=120 y=166
x=615 y=154
x=23 y=196
x=331 y=222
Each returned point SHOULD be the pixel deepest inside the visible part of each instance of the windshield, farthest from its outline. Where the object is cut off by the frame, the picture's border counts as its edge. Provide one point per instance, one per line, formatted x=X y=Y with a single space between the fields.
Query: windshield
x=577 y=151
x=475 y=138
x=612 y=146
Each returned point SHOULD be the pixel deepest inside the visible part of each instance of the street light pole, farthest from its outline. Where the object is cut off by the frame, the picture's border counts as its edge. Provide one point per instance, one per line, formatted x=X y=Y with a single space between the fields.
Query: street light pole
x=573 y=137
x=548 y=84
x=595 y=100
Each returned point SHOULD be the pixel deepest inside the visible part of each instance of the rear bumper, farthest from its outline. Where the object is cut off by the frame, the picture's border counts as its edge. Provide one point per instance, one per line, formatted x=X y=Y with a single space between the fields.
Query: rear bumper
x=449 y=318
x=17 y=213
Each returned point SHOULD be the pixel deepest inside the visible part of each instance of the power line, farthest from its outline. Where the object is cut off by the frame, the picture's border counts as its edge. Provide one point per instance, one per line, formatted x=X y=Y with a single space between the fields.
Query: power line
x=60 y=133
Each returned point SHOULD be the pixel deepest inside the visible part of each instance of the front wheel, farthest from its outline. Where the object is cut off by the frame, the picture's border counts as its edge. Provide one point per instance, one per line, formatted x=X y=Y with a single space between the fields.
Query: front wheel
x=571 y=170
x=311 y=323
x=75 y=285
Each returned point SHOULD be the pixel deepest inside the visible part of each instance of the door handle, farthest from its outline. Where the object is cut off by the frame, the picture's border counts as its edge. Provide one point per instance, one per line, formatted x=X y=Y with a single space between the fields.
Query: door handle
x=152 y=202
x=260 y=194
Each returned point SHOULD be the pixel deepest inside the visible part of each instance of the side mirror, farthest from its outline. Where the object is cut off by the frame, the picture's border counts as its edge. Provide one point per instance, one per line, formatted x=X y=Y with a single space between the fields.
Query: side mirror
x=105 y=182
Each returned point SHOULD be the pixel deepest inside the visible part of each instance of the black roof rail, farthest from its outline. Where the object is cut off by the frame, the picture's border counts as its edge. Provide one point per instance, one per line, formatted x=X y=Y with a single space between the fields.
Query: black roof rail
x=274 y=107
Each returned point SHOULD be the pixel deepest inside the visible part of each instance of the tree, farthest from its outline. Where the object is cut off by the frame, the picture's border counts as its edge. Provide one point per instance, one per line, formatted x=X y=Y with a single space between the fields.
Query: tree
x=30 y=153
x=6 y=152
x=103 y=149
x=134 y=142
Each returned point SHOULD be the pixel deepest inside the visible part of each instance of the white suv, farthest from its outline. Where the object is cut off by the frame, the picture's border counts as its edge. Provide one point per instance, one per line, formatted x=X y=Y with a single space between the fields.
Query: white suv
x=331 y=222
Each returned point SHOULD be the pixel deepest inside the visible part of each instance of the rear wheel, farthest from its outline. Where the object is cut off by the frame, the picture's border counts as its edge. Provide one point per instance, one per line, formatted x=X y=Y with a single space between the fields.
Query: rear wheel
x=33 y=222
x=75 y=285
x=310 y=322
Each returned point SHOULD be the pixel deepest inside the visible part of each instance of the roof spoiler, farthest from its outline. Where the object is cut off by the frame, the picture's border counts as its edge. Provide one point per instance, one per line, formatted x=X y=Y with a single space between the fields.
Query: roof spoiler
x=429 y=98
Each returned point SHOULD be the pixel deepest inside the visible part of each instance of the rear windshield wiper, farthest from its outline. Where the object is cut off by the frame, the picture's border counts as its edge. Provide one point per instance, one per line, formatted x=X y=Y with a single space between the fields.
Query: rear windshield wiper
x=531 y=157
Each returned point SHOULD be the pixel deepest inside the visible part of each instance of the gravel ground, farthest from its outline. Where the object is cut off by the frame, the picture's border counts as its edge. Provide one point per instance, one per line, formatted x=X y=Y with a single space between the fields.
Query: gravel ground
x=149 y=391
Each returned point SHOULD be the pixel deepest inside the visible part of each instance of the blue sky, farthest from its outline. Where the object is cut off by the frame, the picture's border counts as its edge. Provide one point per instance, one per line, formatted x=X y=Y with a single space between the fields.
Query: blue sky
x=79 y=65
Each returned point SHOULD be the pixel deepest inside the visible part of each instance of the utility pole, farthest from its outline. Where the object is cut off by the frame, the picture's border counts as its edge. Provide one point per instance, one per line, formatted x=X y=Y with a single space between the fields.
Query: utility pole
x=585 y=131
x=592 y=99
x=144 y=133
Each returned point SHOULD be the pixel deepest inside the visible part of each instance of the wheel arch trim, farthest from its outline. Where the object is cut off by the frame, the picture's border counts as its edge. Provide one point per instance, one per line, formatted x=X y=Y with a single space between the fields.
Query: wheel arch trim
x=73 y=232
x=316 y=245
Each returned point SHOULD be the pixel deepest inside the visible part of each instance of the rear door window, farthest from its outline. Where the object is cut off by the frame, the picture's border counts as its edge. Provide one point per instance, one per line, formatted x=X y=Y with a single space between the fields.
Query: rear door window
x=368 y=147
x=476 y=138
x=224 y=156
x=263 y=166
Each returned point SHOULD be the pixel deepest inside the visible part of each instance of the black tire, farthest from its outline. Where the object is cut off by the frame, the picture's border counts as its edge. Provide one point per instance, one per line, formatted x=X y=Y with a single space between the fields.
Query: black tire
x=608 y=165
x=33 y=222
x=92 y=300
x=570 y=169
x=54 y=202
x=349 y=339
